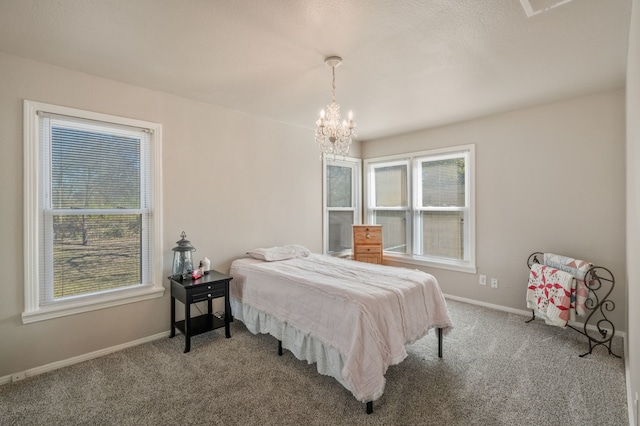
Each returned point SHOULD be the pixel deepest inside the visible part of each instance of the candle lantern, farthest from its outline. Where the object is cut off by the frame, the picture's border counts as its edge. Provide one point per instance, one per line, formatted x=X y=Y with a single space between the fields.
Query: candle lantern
x=182 y=258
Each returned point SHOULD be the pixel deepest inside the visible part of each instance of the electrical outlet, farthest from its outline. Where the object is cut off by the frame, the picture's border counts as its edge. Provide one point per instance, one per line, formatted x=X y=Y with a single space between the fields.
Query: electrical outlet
x=15 y=377
x=494 y=283
x=483 y=280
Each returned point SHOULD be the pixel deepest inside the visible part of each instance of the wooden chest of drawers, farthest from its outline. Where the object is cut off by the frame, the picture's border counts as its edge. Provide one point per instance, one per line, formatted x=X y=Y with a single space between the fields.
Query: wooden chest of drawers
x=367 y=243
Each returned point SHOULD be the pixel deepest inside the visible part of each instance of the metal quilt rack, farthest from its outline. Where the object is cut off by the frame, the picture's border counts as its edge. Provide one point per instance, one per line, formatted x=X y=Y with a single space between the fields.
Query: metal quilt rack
x=597 y=327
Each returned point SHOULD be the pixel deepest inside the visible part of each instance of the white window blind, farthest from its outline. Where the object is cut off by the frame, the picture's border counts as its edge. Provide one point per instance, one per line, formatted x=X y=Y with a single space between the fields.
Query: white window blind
x=92 y=224
x=95 y=215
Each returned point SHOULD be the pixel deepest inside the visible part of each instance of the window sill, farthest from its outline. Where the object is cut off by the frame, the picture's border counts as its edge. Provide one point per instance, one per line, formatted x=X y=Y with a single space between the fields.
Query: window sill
x=399 y=259
x=344 y=254
x=92 y=303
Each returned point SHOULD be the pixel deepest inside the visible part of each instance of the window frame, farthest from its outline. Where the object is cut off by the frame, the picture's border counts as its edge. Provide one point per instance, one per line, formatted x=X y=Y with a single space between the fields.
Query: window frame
x=372 y=201
x=33 y=205
x=355 y=164
x=414 y=161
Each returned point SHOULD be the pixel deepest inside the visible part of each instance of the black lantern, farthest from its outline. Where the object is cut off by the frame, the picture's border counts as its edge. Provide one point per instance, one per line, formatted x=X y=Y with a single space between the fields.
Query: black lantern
x=182 y=259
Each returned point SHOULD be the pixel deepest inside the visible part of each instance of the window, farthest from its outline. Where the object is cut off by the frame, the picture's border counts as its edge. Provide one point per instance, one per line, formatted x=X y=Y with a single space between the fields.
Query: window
x=341 y=204
x=390 y=204
x=424 y=202
x=92 y=222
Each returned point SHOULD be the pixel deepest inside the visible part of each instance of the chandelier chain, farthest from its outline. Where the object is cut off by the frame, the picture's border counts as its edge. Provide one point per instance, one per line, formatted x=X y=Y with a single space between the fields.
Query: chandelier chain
x=333 y=93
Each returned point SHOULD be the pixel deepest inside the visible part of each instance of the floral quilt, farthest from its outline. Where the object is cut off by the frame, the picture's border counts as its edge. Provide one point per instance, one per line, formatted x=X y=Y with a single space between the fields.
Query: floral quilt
x=549 y=294
x=577 y=268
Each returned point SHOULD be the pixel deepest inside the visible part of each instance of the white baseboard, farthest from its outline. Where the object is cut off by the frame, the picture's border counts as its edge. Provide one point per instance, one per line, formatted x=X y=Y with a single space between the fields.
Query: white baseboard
x=489 y=305
x=526 y=313
x=632 y=399
x=84 y=357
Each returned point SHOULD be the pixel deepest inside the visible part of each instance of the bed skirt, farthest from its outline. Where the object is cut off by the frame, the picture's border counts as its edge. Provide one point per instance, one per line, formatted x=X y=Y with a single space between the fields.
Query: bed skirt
x=329 y=361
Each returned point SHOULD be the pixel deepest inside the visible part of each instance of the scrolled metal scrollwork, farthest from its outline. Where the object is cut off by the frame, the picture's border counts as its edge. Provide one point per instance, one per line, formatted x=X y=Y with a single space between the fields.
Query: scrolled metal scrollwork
x=533 y=258
x=597 y=327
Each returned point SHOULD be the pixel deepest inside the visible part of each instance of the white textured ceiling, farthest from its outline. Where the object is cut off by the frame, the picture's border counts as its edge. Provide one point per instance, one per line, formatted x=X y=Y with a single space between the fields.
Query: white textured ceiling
x=407 y=65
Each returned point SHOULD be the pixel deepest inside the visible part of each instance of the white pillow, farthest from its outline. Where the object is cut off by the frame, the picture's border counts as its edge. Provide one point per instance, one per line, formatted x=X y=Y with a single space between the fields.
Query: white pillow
x=272 y=254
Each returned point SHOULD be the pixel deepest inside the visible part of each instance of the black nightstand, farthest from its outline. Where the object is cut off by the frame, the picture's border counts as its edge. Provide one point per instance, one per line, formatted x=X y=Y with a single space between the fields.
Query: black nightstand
x=211 y=286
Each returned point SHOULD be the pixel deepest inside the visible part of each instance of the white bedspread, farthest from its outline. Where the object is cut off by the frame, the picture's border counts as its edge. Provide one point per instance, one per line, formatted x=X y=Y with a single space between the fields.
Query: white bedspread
x=366 y=312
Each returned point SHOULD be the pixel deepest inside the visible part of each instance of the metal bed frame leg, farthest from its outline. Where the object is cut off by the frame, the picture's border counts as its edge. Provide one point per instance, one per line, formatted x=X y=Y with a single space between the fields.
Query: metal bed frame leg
x=369 y=405
x=440 y=334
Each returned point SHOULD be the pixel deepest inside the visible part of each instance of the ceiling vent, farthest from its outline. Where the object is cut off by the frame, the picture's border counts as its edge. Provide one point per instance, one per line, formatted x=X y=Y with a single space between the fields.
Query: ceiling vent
x=534 y=7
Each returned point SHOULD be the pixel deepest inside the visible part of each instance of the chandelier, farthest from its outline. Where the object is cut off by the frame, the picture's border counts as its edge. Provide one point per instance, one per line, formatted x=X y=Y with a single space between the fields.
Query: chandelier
x=332 y=135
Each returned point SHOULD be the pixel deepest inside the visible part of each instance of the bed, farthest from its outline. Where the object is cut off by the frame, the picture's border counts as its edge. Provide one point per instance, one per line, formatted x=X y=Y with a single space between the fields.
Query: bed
x=352 y=319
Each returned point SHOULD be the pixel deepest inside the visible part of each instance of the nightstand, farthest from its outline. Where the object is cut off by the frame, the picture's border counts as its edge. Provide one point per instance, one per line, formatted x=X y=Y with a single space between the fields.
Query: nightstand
x=211 y=286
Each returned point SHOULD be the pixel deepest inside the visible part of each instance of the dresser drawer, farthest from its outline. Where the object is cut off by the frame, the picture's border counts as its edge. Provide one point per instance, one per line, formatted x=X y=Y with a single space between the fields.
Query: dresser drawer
x=367 y=234
x=368 y=249
x=369 y=258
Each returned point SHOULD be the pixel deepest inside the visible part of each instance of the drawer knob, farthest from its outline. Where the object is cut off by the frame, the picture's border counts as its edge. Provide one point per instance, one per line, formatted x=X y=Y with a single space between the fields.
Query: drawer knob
x=367 y=235
x=208 y=295
x=209 y=287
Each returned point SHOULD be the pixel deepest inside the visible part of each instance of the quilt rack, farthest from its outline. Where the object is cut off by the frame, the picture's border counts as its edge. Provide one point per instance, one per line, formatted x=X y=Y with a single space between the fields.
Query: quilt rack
x=599 y=282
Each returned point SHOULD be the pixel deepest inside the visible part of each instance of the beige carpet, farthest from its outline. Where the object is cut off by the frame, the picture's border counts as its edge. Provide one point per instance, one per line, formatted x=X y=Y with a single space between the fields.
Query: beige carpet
x=496 y=370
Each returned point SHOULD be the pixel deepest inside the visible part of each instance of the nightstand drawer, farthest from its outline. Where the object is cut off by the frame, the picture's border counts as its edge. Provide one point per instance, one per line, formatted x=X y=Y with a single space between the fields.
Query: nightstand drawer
x=205 y=296
x=368 y=249
x=207 y=292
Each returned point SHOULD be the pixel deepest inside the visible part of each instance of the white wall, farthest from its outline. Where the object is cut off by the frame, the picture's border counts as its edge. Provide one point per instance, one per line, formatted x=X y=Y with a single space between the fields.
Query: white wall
x=549 y=179
x=228 y=183
x=633 y=209
x=232 y=181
